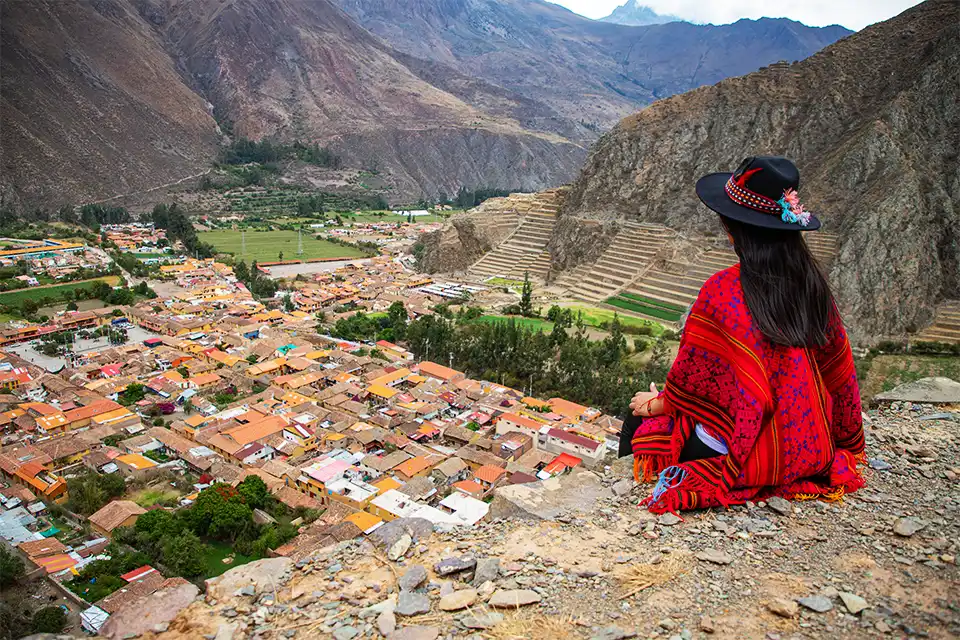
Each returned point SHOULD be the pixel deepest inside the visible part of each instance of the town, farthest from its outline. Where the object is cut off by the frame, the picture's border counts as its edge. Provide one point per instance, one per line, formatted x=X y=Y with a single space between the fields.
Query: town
x=260 y=435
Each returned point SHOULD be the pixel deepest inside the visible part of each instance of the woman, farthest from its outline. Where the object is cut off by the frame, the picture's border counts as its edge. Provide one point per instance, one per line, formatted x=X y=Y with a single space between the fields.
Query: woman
x=763 y=397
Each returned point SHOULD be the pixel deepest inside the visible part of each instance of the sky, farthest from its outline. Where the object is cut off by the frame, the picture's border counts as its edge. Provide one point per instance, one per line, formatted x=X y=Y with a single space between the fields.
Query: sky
x=853 y=14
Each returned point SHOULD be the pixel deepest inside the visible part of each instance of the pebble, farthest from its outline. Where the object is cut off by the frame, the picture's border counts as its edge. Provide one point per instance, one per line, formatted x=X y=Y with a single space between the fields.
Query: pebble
x=415 y=633
x=449 y=566
x=715 y=556
x=667 y=624
x=488 y=570
x=783 y=608
x=906 y=527
x=879 y=464
x=412 y=604
x=623 y=487
x=483 y=620
x=387 y=622
x=412 y=578
x=400 y=548
x=780 y=505
x=707 y=625
x=346 y=633
x=458 y=600
x=613 y=633
x=513 y=598
x=820 y=604
x=854 y=603
x=669 y=519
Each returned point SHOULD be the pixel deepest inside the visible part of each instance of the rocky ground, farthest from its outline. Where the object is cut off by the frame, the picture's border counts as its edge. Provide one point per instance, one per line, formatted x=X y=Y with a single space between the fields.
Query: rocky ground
x=578 y=559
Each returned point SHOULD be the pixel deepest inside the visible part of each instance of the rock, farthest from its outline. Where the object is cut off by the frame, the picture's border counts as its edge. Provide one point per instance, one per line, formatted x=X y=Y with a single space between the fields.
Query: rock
x=161 y=628
x=906 y=527
x=571 y=494
x=264 y=575
x=483 y=620
x=387 y=535
x=707 y=625
x=783 y=608
x=879 y=464
x=488 y=570
x=780 y=505
x=458 y=600
x=613 y=633
x=820 y=604
x=513 y=598
x=248 y=590
x=415 y=633
x=449 y=566
x=412 y=578
x=667 y=624
x=854 y=603
x=715 y=556
x=412 y=604
x=226 y=631
x=345 y=633
x=399 y=548
x=158 y=608
x=669 y=519
x=623 y=487
x=386 y=622
x=925 y=390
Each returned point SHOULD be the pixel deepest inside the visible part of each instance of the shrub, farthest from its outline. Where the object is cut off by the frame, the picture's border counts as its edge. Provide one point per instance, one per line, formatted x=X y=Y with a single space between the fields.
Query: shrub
x=49 y=620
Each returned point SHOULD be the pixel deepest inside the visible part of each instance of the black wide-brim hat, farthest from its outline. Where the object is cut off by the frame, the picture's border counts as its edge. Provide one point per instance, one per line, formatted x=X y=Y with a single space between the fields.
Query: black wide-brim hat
x=762 y=192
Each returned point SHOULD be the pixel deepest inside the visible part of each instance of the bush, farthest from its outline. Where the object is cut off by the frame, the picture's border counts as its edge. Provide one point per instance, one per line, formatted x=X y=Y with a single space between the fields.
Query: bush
x=11 y=567
x=49 y=620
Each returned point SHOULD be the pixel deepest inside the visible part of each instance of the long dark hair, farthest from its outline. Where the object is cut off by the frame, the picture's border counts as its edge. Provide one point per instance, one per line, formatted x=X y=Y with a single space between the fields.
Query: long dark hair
x=783 y=285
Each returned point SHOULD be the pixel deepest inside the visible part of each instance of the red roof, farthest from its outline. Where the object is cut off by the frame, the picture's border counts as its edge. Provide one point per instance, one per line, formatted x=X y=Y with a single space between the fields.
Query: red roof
x=138 y=573
x=489 y=473
x=573 y=438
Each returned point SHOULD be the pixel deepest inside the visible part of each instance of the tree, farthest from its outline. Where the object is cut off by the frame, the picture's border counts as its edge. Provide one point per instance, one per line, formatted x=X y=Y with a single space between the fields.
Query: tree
x=658 y=366
x=254 y=492
x=49 y=620
x=240 y=270
x=135 y=392
x=280 y=256
x=157 y=523
x=526 y=296
x=72 y=306
x=11 y=567
x=184 y=554
x=288 y=304
x=252 y=358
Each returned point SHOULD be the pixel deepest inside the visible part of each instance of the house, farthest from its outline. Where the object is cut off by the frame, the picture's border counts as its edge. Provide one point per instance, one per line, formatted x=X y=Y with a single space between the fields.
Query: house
x=451 y=470
x=440 y=372
x=119 y=513
x=392 y=505
x=560 y=441
x=413 y=468
x=465 y=508
x=512 y=422
x=489 y=477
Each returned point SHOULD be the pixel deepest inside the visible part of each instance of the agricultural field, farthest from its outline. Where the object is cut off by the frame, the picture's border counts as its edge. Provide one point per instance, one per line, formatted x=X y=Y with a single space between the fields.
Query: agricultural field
x=15 y=298
x=596 y=317
x=164 y=495
x=647 y=306
x=535 y=324
x=272 y=201
x=266 y=246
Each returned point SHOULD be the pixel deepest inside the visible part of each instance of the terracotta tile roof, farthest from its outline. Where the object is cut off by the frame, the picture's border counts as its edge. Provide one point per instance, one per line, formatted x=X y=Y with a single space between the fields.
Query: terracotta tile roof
x=439 y=371
x=489 y=473
x=114 y=513
x=469 y=487
x=413 y=466
x=42 y=548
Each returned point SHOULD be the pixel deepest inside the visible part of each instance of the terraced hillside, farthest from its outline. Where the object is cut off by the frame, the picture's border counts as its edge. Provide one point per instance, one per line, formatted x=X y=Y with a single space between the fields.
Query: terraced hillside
x=946 y=324
x=524 y=250
x=666 y=293
x=629 y=256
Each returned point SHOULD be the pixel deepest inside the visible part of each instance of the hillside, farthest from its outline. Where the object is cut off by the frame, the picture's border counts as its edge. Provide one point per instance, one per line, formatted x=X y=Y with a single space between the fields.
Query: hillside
x=587 y=71
x=874 y=125
x=107 y=97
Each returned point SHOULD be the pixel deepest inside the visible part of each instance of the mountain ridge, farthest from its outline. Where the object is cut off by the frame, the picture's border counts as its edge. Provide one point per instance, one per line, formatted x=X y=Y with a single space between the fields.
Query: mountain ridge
x=634 y=14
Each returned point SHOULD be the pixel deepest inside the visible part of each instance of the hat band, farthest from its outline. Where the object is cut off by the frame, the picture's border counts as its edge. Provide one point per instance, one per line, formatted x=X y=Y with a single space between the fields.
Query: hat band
x=750 y=199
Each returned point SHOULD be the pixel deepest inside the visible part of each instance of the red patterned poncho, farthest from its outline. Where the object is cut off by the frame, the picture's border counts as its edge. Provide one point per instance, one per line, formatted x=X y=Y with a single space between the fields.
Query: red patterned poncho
x=790 y=416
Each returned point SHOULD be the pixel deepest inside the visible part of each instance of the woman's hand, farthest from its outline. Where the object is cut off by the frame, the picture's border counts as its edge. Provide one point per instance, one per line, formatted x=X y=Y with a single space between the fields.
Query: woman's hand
x=647 y=403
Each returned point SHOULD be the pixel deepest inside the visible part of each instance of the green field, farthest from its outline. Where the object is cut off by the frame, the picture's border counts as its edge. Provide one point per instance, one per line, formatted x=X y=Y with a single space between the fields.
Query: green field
x=265 y=246
x=649 y=309
x=214 y=559
x=531 y=323
x=147 y=256
x=15 y=298
x=596 y=317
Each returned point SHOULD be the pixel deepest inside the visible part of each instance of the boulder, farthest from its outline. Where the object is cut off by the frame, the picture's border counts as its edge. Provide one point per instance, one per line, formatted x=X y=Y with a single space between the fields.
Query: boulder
x=576 y=492
x=145 y=614
x=390 y=533
x=925 y=390
x=263 y=575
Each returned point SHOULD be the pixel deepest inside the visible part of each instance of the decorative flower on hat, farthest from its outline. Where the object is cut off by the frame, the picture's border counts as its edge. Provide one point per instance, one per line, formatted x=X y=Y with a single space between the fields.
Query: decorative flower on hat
x=793 y=211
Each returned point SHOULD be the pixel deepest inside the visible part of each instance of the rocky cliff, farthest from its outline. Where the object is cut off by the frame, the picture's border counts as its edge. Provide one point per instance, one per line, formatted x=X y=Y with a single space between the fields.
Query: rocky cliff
x=634 y=14
x=874 y=125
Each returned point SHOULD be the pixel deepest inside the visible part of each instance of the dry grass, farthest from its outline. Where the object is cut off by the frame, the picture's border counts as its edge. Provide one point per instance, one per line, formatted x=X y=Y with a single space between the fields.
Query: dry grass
x=639 y=577
x=534 y=626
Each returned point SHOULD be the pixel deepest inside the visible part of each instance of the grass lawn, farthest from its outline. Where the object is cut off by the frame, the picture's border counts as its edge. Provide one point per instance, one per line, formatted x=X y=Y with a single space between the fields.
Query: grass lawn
x=146 y=256
x=531 y=323
x=596 y=317
x=516 y=285
x=15 y=298
x=219 y=551
x=387 y=216
x=266 y=246
x=150 y=496
x=652 y=303
x=650 y=310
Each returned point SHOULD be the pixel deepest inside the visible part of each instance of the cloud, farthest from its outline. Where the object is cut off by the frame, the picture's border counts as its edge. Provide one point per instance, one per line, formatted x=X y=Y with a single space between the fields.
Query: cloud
x=853 y=14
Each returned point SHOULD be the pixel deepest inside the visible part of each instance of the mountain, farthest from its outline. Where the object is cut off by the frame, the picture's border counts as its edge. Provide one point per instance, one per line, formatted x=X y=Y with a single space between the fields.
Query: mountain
x=874 y=125
x=102 y=97
x=587 y=71
x=634 y=14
